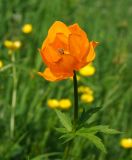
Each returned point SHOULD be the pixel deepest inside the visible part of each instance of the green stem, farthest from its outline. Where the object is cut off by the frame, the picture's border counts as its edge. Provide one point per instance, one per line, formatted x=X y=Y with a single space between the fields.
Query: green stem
x=75 y=100
x=14 y=93
x=67 y=149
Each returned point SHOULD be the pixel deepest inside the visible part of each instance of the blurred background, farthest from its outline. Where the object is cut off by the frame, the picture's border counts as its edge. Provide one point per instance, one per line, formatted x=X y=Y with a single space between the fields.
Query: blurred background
x=27 y=101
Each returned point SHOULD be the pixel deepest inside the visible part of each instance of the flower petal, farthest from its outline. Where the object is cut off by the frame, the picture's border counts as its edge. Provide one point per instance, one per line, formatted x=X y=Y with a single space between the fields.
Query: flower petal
x=75 y=29
x=48 y=75
x=50 y=55
x=78 y=46
x=57 y=27
x=65 y=66
x=78 y=42
x=74 y=45
x=89 y=57
x=91 y=54
x=60 y=42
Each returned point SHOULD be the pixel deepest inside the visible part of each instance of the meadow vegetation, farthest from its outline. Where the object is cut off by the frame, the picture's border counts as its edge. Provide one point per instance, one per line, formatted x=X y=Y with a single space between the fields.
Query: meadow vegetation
x=27 y=101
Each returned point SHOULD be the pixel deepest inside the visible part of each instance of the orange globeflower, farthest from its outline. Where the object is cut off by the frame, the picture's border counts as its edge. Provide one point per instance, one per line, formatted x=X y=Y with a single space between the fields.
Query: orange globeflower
x=65 y=49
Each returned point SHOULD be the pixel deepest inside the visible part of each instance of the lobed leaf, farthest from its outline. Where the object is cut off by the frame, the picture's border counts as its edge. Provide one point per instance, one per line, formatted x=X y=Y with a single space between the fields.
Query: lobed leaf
x=98 y=128
x=67 y=137
x=95 y=140
x=87 y=114
x=61 y=130
x=65 y=120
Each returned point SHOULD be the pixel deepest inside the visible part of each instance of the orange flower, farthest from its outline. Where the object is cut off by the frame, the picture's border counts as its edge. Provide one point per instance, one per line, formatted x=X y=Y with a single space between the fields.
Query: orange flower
x=64 y=50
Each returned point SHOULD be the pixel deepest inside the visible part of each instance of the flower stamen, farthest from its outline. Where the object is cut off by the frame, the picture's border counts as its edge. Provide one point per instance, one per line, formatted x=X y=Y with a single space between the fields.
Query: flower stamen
x=61 y=50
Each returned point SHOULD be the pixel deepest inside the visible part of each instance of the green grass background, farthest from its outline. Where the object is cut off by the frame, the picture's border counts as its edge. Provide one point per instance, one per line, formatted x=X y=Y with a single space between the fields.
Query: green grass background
x=106 y=21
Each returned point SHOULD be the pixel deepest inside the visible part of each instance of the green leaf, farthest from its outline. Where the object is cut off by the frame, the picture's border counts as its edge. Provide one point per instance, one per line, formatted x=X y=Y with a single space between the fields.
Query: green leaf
x=46 y=155
x=86 y=130
x=94 y=139
x=103 y=129
x=61 y=130
x=99 y=128
x=106 y=129
x=86 y=115
x=67 y=137
x=110 y=131
x=65 y=120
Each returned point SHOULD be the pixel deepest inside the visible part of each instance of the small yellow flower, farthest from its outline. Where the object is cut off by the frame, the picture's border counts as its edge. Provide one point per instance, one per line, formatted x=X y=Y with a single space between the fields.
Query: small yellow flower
x=126 y=142
x=88 y=70
x=64 y=103
x=12 y=45
x=53 y=103
x=8 y=44
x=17 y=44
x=27 y=28
x=87 y=98
x=85 y=89
x=1 y=64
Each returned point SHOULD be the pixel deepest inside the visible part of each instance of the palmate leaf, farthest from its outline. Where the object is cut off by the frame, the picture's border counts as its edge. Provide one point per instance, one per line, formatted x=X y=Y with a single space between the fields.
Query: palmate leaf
x=99 y=128
x=87 y=114
x=94 y=139
x=65 y=120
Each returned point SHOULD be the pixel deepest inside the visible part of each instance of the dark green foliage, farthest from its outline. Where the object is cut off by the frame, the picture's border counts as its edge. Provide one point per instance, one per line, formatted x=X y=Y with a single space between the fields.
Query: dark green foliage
x=89 y=133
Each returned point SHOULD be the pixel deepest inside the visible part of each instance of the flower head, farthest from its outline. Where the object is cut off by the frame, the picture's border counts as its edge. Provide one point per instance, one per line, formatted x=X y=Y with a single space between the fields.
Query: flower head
x=17 y=44
x=8 y=44
x=53 y=103
x=65 y=49
x=126 y=142
x=85 y=89
x=64 y=103
x=88 y=70
x=12 y=45
x=87 y=98
x=27 y=28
